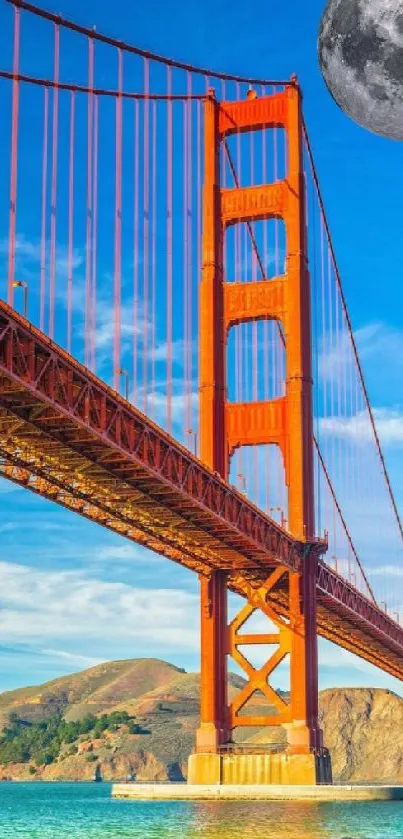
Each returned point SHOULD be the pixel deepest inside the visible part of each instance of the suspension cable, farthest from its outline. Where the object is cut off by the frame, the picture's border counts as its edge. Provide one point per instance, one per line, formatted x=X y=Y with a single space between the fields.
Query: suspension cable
x=350 y=329
x=123 y=45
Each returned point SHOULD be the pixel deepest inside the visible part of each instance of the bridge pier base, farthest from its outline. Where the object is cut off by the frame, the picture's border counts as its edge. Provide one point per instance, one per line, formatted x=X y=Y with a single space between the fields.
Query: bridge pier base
x=288 y=600
x=254 y=769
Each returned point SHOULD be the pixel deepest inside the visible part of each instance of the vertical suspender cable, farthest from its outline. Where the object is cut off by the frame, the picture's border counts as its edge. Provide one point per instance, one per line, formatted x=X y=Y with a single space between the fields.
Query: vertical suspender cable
x=190 y=254
x=94 y=246
x=185 y=276
x=146 y=229
x=277 y=384
x=70 y=233
x=14 y=157
x=315 y=297
x=154 y=255
x=275 y=374
x=324 y=350
x=339 y=472
x=347 y=481
x=333 y=364
x=237 y=278
x=198 y=218
x=55 y=131
x=223 y=161
x=169 y=251
x=118 y=228
x=88 y=231
x=43 y=209
x=241 y=262
x=254 y=329
x=266 y=371
x=136 y=188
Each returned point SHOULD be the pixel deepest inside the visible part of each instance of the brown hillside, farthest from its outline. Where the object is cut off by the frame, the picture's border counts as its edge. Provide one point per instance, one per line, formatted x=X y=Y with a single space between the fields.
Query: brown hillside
x=96 y=690
x=362 y=727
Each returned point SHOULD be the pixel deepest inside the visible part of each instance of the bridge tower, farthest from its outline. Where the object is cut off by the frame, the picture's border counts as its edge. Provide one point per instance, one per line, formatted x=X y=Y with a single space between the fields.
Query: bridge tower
x=287 y=598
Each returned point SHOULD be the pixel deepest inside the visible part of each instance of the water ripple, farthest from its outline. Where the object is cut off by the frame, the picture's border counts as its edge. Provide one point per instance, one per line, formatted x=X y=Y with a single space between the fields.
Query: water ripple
x=87 y=811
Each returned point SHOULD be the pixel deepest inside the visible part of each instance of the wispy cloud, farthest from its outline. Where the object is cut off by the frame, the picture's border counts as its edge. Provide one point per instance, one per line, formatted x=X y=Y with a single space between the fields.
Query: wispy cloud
x=380 y=349
x=28 y=257
x=73 y=608
x=358 y=428
x=75 y=659
x=176 y=351
x=125 y=551
x=387 y=571
x=180 y=404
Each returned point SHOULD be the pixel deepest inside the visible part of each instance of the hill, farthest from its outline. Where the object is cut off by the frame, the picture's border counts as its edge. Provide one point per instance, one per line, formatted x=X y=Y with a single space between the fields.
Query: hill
x=138 y=718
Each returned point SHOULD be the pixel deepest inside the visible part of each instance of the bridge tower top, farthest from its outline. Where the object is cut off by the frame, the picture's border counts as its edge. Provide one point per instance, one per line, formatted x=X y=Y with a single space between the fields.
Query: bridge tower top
x=285 y=421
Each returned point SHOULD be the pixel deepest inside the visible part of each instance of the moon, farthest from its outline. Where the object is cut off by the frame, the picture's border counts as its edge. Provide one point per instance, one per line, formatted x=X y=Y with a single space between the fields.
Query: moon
x=360 y=49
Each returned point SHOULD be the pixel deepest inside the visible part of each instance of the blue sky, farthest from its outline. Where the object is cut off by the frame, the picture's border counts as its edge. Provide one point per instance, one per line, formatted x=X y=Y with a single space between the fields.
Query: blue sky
x=72 y=594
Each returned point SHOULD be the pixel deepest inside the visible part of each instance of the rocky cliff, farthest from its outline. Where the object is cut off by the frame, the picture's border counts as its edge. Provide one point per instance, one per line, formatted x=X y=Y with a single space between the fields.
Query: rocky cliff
x=362 y=726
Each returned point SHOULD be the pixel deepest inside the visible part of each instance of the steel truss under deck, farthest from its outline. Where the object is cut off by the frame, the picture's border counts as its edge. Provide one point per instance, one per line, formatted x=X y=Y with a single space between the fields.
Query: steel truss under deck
x=64 y=434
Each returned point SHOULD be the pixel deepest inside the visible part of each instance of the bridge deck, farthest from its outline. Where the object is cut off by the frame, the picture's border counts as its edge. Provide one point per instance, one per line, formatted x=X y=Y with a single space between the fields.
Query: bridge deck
x=66 y=435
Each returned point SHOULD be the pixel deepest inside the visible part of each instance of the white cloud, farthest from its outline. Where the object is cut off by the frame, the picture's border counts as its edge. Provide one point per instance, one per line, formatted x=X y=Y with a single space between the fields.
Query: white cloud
x=380 y=349
x=28 y=252
x=134 y=329
x=122 y=551
x=377 y=337
x=176 y=351
x=157 y=405
x=357 y=428
x=69 y=607
x=386 y=571
x=105 y=327
x=23 y=247
x=74 y=658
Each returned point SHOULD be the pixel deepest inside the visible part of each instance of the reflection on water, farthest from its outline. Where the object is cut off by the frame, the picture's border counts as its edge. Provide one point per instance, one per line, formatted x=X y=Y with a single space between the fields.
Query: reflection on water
x=230 y=820
x=294 y=820
x=86 y=811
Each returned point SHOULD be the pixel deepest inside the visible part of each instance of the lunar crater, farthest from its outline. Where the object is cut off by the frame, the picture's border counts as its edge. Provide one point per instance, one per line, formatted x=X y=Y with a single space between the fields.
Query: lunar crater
x=360 y=49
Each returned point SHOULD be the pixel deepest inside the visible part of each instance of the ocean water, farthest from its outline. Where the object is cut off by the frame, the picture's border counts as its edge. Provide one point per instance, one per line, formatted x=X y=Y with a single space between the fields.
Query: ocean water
x=87 y=811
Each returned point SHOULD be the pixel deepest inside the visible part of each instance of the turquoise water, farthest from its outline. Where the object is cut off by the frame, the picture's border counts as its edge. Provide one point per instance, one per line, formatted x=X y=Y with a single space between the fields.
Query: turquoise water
x=86 y=811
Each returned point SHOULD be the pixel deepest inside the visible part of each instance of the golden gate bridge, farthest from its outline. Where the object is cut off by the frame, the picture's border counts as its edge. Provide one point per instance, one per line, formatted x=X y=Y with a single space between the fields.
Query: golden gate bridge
x=177 y=361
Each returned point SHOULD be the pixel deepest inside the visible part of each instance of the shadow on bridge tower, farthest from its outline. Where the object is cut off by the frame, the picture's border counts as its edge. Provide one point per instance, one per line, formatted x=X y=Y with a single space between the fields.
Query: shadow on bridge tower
x=286 y=597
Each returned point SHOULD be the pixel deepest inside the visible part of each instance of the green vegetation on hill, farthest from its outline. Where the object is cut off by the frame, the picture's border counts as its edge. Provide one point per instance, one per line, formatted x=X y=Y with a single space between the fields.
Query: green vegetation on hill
x=42 y=742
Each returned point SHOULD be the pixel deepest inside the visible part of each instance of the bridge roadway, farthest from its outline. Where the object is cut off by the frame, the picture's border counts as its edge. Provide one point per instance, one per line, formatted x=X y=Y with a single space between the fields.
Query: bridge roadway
x=67 y=436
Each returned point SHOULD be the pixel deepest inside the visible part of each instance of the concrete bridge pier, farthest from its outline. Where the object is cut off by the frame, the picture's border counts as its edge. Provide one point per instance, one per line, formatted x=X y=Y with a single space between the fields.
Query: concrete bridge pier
x=264 y=768
x=303 y=759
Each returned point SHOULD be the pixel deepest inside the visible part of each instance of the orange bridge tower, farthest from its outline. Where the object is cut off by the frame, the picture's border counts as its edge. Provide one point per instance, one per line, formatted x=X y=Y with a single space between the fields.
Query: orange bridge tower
x=286 y=596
